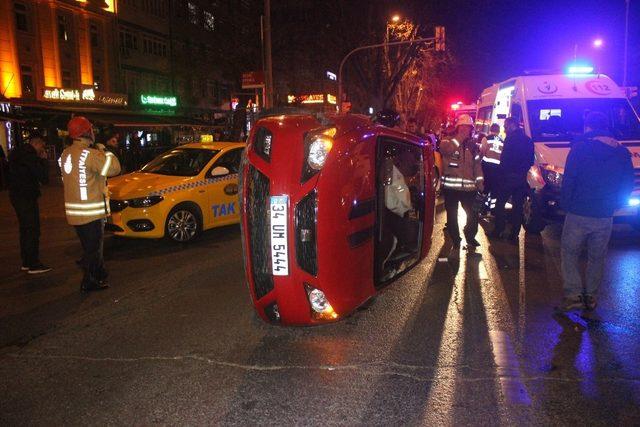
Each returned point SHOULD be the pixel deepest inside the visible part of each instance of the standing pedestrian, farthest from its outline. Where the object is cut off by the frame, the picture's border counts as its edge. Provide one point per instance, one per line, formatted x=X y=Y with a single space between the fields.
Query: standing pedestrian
x=491 y=150
x=515 y=162
x=85 y=171
x=28 y=169
x=112 y=145
x=598 y=179
x=462 y=178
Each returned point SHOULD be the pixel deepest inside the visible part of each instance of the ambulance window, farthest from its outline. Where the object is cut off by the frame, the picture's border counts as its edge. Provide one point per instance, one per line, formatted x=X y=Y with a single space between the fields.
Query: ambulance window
x=516 y=112
x=400 y=213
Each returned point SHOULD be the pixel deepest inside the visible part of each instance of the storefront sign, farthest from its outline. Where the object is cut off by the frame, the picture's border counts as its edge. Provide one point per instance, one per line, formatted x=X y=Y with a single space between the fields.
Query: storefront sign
x=252 y=80
x=160 y=101
x=84 y=95
x=317 y=98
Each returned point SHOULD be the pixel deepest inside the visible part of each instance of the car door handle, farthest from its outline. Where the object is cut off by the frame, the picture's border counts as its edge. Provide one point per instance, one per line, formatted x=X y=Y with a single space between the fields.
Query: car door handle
x=200 y=191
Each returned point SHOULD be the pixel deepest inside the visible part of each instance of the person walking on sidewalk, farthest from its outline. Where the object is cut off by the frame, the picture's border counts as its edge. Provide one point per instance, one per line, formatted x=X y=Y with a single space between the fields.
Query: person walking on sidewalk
x=28 y=169
x=461 y=180
x=85 y=169
x=598 y=179
x=515 y=161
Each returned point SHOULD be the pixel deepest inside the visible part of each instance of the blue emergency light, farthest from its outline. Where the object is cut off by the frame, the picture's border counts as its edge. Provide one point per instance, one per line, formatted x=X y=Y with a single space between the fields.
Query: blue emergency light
x=634 y=201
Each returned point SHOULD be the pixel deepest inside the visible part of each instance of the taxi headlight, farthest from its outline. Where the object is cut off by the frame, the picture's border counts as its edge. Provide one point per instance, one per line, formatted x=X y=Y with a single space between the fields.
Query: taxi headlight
x=144 y=202
x=320 y=307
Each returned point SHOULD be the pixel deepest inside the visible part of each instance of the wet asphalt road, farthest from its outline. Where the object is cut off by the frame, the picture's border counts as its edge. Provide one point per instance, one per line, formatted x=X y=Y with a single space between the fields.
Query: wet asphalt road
x=175 y=340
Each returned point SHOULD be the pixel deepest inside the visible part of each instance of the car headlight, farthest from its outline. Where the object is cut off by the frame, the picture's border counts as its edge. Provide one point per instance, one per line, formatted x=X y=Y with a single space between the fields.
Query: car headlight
x=317 y=146
x=144 y=202
x=552 y=175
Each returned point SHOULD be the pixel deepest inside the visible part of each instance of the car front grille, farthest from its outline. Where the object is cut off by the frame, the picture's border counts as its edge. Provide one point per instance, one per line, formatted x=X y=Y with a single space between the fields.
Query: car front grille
x=258 y=223
x=305 y=223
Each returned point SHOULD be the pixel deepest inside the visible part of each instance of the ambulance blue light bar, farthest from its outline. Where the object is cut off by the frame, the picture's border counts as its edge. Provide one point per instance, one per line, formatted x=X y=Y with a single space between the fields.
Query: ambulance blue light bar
x=580 y=69
x=634 y=201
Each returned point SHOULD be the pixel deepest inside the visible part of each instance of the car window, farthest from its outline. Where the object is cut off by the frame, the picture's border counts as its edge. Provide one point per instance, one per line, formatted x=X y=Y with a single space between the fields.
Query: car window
x=231 y=160
x=180 y=162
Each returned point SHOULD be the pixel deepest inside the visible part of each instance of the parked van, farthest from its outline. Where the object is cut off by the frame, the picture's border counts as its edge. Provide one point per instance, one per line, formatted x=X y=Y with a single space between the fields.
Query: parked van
x=551 y=109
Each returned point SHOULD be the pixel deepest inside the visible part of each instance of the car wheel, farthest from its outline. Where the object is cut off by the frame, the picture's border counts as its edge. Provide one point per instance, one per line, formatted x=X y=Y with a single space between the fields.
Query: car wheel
x=532 y=217
x=183 y=224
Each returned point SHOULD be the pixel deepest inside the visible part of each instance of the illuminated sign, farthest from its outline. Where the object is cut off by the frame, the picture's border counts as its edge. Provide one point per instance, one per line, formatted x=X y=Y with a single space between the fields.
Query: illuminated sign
x=252 y=80
x=206 y=138
x=331 y=76
x=108 y=5
x=316 y=98
x=160 y=101
x=84 y=95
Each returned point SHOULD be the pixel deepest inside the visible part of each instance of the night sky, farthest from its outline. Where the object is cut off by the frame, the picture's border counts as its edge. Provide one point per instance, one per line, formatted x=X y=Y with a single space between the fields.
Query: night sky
x=494 y=40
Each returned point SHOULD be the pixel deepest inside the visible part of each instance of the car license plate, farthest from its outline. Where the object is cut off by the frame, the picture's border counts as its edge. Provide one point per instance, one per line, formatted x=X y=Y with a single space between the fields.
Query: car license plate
x=279 y=243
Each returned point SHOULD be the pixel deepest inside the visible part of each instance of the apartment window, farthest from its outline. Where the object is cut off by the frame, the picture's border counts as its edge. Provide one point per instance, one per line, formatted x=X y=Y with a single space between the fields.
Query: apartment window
x=209 y=21
x=63 y=32
x=193 y=12
x=66 y=78
x=26 y=75
x=22 y=24
x=93 y=35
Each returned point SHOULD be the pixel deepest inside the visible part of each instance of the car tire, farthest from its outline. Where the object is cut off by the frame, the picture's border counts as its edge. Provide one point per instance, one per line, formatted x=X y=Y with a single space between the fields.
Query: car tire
x=532 y=219
x=184 y=223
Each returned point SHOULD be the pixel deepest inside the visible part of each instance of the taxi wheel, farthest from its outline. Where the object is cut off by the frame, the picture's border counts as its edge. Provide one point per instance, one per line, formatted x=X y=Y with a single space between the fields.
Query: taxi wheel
x=183 y=224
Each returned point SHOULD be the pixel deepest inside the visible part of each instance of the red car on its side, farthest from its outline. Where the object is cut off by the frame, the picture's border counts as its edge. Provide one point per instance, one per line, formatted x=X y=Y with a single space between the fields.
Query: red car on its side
x=334 y=208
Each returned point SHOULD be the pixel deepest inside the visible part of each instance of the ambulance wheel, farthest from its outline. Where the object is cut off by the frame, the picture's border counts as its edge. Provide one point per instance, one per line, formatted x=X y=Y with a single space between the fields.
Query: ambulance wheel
x=184 y=223
x=532 y=220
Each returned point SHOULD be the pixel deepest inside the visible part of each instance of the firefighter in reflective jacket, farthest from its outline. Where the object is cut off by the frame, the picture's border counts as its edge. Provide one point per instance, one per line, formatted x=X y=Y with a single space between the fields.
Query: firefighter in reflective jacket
x=461 y=180
x=85 y=169
x=491 y=150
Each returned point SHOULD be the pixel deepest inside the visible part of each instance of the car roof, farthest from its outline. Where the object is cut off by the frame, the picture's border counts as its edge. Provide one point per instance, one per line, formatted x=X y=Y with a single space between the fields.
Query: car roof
x=216 y=145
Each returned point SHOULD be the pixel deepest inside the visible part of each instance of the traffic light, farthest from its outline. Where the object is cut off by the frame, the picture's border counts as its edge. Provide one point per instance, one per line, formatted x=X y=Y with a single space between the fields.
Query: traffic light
x=439 y=43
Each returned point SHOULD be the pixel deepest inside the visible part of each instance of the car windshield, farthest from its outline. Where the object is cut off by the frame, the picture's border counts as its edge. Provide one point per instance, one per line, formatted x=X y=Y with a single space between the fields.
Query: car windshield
x=180 y=162
x=563 y=119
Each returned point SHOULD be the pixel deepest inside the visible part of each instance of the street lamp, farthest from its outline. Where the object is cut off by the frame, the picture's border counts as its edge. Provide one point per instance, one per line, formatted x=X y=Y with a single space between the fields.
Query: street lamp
x=395 y=18
x=597 y=43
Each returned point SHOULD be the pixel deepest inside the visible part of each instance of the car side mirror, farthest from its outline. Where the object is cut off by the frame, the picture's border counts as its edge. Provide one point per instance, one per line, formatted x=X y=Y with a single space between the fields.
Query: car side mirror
x=220 y=171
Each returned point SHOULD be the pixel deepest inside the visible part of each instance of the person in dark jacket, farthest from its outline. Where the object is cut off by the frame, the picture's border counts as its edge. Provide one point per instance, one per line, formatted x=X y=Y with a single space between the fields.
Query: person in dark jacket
x=598 y=179
x=28 y=168
x=515 y=161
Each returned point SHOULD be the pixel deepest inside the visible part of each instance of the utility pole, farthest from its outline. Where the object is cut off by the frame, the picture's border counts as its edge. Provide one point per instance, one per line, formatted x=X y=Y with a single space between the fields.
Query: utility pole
x=268 y=72
x=626 y=44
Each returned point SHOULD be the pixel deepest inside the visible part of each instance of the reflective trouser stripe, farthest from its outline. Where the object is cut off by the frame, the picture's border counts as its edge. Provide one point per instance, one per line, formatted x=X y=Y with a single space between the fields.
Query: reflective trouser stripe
x=84 y=205
x=72 y=212
x=491 y=160
x=457 y=182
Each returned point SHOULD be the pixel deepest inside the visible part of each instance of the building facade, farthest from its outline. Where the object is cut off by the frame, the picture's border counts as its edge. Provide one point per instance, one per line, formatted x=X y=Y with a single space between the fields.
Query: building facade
x=117 y=53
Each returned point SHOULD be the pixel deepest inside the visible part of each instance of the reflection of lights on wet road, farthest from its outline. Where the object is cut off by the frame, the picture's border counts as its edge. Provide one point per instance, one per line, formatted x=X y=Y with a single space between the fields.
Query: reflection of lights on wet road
x=442 y=393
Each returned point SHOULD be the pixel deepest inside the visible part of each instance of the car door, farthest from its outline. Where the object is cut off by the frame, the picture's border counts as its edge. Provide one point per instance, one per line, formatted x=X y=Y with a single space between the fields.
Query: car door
x=223 y=193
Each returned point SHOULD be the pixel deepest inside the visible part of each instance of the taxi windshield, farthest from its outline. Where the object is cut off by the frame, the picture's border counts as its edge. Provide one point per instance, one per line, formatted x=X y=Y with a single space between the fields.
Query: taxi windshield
x=563 y=119
x=180 y=162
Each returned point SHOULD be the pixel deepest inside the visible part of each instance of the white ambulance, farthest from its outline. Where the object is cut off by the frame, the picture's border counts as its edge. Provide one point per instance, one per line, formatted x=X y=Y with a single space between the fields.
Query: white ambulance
x=551 y=108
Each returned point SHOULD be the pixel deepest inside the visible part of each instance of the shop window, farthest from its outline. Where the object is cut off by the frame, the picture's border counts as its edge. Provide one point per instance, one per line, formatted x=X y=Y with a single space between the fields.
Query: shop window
x=209 y=21
x=26 y=75
x=22 y=23
x=63 y=31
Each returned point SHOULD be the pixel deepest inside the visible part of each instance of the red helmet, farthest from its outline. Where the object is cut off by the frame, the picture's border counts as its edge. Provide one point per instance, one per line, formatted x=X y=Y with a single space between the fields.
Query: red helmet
x=79 y=126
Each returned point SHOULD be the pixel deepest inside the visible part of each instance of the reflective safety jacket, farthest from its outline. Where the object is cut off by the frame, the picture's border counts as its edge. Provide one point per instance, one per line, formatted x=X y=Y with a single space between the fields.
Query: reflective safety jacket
x=491 y=149
x=84 y=174
x=461 y=164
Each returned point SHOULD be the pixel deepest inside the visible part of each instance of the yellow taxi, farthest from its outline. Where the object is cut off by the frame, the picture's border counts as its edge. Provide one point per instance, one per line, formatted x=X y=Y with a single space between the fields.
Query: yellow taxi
x=186 y=190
